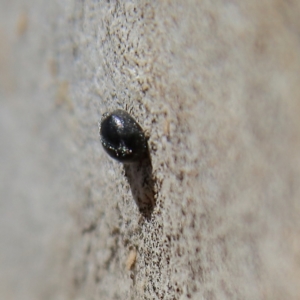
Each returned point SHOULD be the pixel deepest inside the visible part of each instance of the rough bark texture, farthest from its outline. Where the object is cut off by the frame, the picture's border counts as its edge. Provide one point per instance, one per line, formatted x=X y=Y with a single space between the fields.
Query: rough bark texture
x=215 y=84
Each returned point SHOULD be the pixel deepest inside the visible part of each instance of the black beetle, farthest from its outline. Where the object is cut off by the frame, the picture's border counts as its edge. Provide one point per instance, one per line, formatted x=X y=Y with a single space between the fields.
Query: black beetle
x=122 y=137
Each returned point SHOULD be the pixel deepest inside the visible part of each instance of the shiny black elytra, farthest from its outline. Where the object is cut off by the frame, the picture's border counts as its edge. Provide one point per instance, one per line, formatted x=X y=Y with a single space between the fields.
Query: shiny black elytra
x=122 y=137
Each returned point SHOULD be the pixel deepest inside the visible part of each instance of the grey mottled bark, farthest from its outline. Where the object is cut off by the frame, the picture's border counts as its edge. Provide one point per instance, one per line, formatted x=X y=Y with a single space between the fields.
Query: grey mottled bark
x=216 y=86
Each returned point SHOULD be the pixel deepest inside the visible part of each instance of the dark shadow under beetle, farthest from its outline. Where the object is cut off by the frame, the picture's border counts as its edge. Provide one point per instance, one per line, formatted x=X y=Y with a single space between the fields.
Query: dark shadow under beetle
x=141 y=181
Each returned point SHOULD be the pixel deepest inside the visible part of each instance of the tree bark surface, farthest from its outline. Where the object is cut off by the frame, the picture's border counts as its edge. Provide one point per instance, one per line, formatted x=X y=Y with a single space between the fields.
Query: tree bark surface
x=215 y=86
